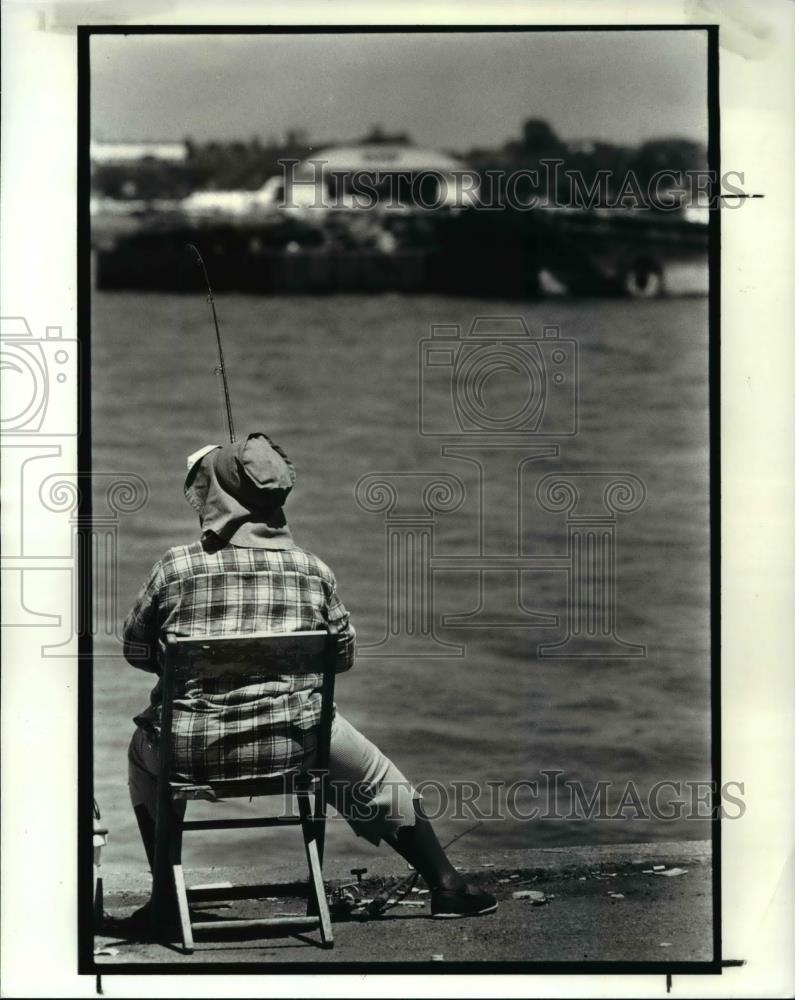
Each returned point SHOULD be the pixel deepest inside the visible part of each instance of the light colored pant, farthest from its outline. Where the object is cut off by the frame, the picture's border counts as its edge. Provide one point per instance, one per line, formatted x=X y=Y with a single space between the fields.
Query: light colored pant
x=363 y=785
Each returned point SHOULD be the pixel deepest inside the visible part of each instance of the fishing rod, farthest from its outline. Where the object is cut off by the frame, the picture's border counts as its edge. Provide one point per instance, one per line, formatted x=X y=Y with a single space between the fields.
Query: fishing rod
x=221 y=369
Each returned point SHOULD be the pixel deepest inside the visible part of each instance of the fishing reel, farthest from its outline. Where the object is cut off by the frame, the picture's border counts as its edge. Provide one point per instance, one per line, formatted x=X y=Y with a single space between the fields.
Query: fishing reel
x=349 y=897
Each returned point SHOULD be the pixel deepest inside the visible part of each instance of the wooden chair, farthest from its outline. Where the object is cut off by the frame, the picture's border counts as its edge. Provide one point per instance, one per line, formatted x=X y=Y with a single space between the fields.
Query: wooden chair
x=239 y=656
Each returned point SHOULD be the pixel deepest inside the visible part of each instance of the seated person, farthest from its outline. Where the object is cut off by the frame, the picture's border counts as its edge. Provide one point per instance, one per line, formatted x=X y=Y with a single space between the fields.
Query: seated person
x=246 y=574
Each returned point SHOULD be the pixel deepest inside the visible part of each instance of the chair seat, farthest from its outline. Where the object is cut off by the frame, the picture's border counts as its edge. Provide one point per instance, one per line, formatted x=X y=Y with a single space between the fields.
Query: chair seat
x=235 y=788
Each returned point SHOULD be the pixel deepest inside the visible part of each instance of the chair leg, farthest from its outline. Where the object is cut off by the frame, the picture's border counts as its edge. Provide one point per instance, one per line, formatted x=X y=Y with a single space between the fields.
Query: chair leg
x=320 y=815
x=167 y=858
x=160 y=870
x=182 y=905
x=302 y=794
x=317 y=890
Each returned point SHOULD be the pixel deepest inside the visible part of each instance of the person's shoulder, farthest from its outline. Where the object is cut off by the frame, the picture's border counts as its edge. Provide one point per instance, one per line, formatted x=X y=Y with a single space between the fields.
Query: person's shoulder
x=309 y=563
x=182 y=560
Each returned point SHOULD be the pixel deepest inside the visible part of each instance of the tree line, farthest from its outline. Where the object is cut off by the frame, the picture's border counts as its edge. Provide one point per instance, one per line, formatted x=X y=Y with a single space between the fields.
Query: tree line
x=247 y=165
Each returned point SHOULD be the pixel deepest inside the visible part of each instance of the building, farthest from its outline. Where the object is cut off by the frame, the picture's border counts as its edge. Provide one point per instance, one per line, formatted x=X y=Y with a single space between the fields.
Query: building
x=132 y=152
x=387 y=174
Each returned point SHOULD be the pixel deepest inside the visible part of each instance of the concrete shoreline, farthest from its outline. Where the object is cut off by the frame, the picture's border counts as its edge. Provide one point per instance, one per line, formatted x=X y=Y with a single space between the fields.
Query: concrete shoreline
x=603 y=905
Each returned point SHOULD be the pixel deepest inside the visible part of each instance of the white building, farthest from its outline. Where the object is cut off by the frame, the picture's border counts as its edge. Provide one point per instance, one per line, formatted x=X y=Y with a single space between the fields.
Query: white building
x=220 y=203
x=117 y=153
x=239 y=204
x=393 y=175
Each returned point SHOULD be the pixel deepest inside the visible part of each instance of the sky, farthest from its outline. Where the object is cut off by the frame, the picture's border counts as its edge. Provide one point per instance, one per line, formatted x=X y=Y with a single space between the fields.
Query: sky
x=448 y=91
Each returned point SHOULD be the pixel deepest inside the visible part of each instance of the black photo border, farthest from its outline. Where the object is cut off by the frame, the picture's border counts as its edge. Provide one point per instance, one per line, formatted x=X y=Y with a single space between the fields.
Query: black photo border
x=86 y=965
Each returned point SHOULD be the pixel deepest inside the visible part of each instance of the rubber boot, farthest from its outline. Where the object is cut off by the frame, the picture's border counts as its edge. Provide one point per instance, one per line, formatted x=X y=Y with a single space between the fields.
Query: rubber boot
x=420 y=846
x=451 y=895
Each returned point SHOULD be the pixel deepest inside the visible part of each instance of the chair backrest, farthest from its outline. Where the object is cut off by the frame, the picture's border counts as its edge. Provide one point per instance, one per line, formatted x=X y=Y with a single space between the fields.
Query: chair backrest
x=239 y=656
x=263 y=653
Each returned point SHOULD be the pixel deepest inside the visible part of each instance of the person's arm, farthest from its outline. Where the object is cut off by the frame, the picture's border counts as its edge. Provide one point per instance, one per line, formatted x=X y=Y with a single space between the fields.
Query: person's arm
x=346 y=634
x=142 y=627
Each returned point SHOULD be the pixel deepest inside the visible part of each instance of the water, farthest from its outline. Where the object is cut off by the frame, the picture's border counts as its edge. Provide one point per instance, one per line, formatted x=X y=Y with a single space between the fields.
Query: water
x=335 y=381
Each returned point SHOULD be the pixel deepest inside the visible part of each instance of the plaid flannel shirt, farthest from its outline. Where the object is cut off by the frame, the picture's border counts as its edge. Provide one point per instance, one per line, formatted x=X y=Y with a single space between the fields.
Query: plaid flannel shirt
x=223 y=732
